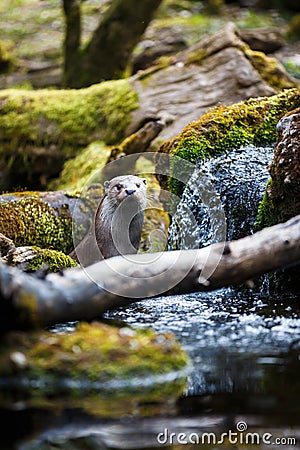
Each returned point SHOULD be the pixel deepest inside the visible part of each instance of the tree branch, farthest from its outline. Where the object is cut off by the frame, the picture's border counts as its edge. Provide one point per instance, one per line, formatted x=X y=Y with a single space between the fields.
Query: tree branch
x=28 y=302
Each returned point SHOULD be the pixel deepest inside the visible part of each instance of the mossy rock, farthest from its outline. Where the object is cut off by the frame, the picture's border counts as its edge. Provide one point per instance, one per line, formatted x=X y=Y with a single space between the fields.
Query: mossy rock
x=94 y=357
x=31 y=259
x=281 y=201
x=48 y=219
x=79 y=171
x=155 y=230
x=226 y=128
x=270 y=70
x=31 y=221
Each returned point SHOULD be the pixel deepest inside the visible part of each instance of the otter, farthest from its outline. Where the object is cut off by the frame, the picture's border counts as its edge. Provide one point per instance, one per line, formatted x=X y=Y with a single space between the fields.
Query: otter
x=118 y=221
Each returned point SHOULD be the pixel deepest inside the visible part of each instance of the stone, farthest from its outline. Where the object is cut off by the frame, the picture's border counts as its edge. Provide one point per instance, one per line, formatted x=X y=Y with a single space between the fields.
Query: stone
x=266 y=40
x=219 y=69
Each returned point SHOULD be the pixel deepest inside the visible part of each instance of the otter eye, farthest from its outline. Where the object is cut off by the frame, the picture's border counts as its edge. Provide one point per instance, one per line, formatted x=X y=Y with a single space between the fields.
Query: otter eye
x=138 y=185
x=119 y=187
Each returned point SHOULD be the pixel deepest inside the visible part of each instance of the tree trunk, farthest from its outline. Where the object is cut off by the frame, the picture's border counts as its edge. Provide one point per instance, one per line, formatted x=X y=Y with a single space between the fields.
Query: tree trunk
x=28 y=302
x=107 y=54
x=72 y=38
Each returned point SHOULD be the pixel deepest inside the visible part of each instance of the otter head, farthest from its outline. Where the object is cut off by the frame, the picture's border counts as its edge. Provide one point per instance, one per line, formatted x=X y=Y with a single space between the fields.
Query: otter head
x=125 y=187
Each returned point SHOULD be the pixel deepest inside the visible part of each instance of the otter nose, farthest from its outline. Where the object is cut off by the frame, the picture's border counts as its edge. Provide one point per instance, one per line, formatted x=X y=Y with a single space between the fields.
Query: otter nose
x=130 y=191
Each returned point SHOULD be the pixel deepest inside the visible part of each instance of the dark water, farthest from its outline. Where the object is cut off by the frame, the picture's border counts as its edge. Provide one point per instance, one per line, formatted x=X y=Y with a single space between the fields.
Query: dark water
x=244 y=347
x=245 y=352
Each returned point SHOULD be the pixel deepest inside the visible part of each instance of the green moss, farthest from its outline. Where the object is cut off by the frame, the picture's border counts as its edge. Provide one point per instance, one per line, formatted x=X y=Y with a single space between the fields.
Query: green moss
x=66 y=117
x=269 y=69
x=30 y=221
x=279 y=204
x=54 y=259
x=94 y=352
x=79 y=170
x=229 y=127
x=41 y=129
x=265 y=214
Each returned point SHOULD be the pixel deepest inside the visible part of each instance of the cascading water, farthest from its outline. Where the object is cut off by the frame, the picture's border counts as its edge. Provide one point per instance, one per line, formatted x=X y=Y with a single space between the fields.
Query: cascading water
x=221 y=198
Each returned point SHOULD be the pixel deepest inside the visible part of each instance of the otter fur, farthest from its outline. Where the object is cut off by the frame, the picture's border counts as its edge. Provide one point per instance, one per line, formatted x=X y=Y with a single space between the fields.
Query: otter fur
x=118 y=221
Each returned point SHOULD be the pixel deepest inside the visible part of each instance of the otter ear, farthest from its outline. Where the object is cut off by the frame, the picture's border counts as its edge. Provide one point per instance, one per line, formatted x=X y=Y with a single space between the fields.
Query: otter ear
x=106 y=186
x=144 y=181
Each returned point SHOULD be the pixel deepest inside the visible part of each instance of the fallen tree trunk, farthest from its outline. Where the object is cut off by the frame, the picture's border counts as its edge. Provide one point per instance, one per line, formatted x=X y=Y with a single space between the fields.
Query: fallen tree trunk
x=29 y=302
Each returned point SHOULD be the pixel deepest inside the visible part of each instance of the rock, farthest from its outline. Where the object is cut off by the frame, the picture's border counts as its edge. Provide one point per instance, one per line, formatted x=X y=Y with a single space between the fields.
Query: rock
x=45 y=219
x=32 y=259
x=266 y=40
x=162 y=44
x=282 y=198
x=219 y=69
x=226 y=128
x=55 y=125
x=97 y=359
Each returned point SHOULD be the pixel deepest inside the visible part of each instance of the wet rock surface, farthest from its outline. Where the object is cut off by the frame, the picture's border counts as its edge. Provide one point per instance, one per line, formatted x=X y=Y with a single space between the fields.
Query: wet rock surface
x=282 y=197
x=285 y=167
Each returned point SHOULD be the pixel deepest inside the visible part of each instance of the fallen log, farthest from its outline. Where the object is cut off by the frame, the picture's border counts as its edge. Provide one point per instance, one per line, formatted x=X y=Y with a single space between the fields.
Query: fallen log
x=84 y=294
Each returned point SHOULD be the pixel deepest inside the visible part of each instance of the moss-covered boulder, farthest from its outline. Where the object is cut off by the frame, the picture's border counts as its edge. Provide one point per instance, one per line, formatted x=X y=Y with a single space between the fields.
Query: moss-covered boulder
x=30 y=221
x=229 y=127
x=45 y=219
x=92 y=357
x=282 y=198
x=31 y=259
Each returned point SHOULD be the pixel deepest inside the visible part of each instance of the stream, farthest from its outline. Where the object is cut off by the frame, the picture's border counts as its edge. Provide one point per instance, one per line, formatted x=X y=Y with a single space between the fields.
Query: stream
x=243 y=386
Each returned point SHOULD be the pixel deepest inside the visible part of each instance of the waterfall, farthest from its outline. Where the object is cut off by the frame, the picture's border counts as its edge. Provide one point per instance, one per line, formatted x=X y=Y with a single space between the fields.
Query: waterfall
x=221 y=198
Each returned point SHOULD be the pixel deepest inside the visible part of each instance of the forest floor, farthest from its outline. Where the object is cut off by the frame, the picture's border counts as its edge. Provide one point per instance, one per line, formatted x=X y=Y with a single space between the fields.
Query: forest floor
x=33 y=30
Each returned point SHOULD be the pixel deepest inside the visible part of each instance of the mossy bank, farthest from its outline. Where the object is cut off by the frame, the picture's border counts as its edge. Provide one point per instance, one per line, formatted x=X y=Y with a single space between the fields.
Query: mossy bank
x=41 y=129
x=226 y=128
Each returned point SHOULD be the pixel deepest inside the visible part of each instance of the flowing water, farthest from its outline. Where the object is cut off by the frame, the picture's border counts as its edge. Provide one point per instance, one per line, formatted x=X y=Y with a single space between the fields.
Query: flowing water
x=244 y=345
x=221 y=198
